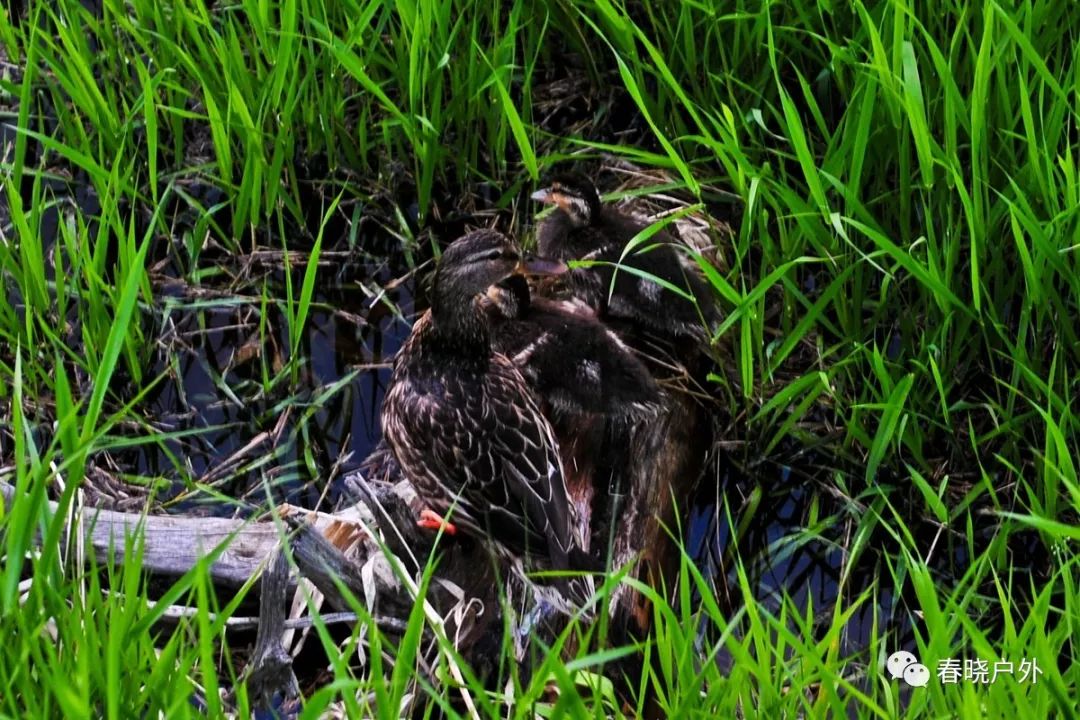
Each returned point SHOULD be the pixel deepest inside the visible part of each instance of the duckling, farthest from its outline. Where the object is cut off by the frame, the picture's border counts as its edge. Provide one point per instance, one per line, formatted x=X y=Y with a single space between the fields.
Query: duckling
x=466 y=428
x=573 y=362
x=583 y=228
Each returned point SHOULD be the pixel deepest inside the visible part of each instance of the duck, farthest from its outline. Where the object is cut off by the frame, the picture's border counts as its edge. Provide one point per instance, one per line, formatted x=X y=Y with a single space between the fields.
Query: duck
x=577 y=365
x=592 y=386
x=465 y=426
x=584 y=228
x=657 y=459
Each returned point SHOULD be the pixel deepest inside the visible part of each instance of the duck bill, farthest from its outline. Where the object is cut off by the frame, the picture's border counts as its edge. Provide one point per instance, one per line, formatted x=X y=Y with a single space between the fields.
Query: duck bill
x=542 y=266
x=544 y=196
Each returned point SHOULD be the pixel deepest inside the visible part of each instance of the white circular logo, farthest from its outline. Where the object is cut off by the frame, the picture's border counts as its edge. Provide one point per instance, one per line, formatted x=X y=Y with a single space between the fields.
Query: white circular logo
x=898 y=661
x=917 y=675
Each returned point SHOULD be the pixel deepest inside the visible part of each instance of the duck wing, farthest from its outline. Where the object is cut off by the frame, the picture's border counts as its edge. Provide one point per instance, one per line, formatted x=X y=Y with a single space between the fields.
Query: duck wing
x=477 y=445
x=574 y=362
x=526 y=491
x=647 y=301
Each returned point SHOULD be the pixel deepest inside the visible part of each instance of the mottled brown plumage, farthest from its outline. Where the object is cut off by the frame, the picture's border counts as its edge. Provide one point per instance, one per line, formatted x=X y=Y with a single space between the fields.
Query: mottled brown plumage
x=574 y=363
x=583 y=228
x=654 y=464
x=589 y=382
x=464 y=424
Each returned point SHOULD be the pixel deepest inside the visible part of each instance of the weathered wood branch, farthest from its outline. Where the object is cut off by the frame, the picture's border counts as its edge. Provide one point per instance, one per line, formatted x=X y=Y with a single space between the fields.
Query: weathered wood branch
x=172 y=545
x=270 y=670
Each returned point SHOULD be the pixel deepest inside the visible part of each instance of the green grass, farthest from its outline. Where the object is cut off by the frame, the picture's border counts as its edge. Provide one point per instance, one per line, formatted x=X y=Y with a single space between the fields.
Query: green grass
x=900 y=294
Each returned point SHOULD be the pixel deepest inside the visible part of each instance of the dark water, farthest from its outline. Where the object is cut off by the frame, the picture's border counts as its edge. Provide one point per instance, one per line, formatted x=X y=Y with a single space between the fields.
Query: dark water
x=782 y=562
x=328 y=419
x=814 y=571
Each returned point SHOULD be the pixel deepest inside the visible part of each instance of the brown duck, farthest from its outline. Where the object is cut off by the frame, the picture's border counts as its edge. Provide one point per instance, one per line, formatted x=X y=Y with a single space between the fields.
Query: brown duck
x=575 y=364
x=464 y=424
x=583 y=228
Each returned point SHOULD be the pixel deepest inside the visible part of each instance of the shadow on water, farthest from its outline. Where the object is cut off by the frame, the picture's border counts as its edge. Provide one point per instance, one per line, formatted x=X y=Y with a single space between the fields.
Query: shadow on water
x=235 y=421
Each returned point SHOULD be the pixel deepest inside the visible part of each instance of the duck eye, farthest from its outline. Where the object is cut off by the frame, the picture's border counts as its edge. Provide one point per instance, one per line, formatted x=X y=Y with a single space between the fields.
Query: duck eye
x=498 y=254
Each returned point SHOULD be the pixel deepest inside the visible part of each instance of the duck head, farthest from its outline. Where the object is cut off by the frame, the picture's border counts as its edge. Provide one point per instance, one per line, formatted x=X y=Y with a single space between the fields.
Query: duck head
x=478 y=260
x=574 y=194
